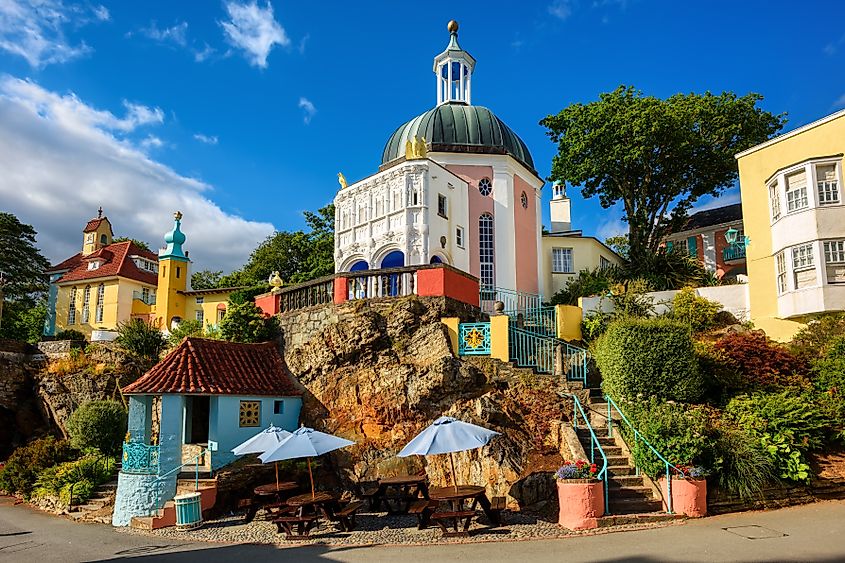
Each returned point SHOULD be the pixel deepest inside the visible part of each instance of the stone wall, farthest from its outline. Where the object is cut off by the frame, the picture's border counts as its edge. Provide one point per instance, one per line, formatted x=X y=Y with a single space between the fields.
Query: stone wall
x=21 y=418
x=54 y=349
x=776 y=496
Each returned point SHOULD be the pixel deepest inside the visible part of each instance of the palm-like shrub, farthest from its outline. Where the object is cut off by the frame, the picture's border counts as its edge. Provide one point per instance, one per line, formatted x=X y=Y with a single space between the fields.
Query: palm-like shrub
x=141 y=340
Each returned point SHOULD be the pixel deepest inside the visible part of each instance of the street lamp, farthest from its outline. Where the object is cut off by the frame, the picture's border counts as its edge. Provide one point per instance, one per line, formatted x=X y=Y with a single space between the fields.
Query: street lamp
x=731 y=236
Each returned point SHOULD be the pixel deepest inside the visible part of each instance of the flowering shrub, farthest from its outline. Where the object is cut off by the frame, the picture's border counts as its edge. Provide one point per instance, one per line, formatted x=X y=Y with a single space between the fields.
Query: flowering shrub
x=576 y=470
x=691 y=472
x=762 y=362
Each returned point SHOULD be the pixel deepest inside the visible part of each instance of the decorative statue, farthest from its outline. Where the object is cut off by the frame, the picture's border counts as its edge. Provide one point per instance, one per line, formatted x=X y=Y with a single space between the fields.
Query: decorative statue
x=415 y=148
x=276 y=281
x=342 y=180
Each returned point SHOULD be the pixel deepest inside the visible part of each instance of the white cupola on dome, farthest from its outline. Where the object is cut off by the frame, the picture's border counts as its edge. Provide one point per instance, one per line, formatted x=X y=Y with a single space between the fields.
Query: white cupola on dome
x=453 y=68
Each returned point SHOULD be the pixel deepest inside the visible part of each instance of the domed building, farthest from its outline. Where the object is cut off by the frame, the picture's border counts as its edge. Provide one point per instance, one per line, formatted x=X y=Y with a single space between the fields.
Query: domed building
x=456 y=185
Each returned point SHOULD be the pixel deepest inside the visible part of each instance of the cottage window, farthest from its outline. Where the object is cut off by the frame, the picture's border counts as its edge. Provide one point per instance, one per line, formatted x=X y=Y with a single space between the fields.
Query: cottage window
x=200 y=315
x=441 y=205
x=827 y=184
x=562 y=261
x=780 y=261
x=86 y=300
x=774 y=201
x=250 y=414
x=796 y=192
x=200 y=300
x=101 y=294
x=278 y=407
x=459 y=237
x=803 y=266
x=834 y=257
x=71 y=308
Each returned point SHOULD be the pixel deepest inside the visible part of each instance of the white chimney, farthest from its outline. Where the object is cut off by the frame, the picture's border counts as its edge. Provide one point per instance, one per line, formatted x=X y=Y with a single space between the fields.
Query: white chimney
x=560 y=208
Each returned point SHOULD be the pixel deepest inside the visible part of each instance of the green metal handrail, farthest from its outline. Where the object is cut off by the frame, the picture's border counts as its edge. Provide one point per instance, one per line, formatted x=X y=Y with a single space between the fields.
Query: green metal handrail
x=611 y=405
x=513 y=300
x=539 y=320
x=530 y=350
x=196 y=461
x=594 y=445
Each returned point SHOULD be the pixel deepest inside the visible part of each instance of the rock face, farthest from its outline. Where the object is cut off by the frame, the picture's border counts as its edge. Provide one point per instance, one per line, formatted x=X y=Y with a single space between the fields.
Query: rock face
x=378 y=372
x=21 y=418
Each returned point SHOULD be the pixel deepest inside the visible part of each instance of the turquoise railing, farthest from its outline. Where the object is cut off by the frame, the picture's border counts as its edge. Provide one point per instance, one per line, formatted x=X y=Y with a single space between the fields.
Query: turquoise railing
x=139 y=458
x=611 y=406
x=733 y=252
x=474 y=339
x=513 y=301
x=541 y=320
x=594 y=445
x=195 y=461
x=529 y=350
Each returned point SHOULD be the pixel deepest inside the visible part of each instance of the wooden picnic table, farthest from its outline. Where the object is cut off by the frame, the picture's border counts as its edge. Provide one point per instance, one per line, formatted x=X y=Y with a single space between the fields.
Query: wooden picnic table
x=463 y=501
x=268 y=497
x=274 y=490
x=400 y=491
x=308 y=502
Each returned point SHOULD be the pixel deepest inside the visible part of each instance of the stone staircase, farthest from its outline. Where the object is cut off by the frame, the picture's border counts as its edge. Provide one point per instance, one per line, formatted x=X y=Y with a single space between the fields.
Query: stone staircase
x=99 y=507
x=631 y=497
x=167 y=515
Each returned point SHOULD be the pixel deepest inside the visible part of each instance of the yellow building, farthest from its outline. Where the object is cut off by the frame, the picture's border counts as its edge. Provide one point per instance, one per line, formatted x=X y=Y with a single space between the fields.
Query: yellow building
x=565 y=252
x=176 y=301
x=792 y=206
x=101 y=286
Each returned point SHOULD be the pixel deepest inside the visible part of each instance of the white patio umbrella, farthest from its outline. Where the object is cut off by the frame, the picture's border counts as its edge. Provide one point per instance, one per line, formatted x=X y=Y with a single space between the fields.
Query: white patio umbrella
x=265 y=440
x=305 y=442
x=447 y=435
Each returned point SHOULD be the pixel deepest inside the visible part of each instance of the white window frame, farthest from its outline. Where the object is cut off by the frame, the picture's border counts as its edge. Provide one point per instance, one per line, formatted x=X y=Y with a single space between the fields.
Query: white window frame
x=794 y=197
x=71 y=308
x=459 y=237
x=802 y=257
x=200 y=315
x=487 y=249
x=827 y=191
x=101 y=297
x=780 y=269
x=834 y=251
x=86 y=304
x=563 y=260
x=774 y=201
x=200 y=300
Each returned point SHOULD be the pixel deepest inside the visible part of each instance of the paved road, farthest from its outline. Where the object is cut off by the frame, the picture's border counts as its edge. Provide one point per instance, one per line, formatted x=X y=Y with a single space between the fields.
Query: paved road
x=807 y=533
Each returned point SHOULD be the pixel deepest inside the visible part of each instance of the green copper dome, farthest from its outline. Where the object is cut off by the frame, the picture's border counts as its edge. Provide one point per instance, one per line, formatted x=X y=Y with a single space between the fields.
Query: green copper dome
x=458 y=127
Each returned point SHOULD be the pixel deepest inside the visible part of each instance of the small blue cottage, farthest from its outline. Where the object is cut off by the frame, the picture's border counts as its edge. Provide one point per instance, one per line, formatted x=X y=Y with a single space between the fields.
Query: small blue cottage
x=203 y=399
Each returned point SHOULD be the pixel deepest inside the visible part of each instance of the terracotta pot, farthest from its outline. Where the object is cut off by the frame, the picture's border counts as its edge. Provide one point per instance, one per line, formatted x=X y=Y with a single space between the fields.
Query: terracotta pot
x=689 y=496
x=581 y=503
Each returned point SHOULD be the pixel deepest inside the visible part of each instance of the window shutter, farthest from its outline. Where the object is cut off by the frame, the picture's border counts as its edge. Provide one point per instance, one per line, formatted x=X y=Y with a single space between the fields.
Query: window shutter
x=692 y=246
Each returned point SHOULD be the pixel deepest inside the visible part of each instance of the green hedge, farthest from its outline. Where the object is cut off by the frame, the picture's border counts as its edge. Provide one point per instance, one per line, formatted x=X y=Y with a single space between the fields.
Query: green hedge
x=23 y=466
x=649 y=358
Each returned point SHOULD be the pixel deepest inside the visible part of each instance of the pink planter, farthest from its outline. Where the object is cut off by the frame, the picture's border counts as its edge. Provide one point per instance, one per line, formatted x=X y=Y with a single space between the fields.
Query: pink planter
x=581 y=503
x=689 y=496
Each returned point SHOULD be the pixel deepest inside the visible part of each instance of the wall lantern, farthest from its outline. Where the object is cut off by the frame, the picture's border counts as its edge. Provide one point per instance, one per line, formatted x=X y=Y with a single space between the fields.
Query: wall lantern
x=730 y=235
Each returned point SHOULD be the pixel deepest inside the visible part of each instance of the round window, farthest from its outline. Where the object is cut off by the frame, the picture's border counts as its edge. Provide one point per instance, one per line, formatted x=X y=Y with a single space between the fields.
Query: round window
x=524 y=199
x=485 y=186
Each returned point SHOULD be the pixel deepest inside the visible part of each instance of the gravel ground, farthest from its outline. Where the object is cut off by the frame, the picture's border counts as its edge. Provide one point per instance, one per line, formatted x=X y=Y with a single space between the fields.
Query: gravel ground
x=377 y=529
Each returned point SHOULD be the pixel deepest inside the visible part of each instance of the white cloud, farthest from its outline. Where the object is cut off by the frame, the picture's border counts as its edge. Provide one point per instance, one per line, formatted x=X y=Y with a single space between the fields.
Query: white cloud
x=207 y=139
x=308 y=109
x=61 y=159
x=152 y=142
x=561 y=9
x=840 y=101
x=253 y=29
x=727 y=198
x=35 y=29
x=204 y=53
x=302 y=42
x=611 y=227
x=177 y=34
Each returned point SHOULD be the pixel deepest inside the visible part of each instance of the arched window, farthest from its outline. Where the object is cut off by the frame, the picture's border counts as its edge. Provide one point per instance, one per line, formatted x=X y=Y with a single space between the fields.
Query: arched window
x=485 y=250
x=101 y=294
x=86 y=300
x=104 y=239
x=71 y=307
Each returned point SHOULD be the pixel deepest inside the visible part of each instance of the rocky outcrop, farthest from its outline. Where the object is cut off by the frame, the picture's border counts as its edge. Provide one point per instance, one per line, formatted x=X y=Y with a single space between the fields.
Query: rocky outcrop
x=381 y=371
x=21 y=418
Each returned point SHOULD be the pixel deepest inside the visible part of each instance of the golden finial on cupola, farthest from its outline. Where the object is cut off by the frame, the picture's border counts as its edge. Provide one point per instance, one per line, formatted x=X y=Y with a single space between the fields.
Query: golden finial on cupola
x=341 y=179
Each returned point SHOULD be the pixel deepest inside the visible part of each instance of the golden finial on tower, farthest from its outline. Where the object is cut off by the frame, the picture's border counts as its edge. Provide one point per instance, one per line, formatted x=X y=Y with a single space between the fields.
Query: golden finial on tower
x=341 y=179
x=178 y=215
x=415 y=148
x=452 y=26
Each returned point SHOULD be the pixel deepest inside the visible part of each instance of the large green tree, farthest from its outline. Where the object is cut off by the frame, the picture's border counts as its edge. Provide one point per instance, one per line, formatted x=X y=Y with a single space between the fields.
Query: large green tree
x=23 y=284
x=206 y=279
x=298 y=256
x=655 y=156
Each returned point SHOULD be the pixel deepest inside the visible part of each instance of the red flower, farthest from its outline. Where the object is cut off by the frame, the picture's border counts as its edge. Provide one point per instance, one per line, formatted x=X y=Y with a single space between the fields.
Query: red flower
x=593 y=468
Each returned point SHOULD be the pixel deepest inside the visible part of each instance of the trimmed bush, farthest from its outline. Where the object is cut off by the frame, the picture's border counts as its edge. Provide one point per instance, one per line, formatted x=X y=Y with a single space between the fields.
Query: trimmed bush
x=649 y=358
x=19 y=474
x=762 y=362
x=98 y=424
x=70 y=334
x=698 y=312
x=245 y=322
x=680 y=433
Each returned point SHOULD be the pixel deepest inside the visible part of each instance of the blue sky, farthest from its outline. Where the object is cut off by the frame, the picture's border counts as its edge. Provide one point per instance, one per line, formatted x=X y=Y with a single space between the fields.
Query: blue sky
x=241 y=114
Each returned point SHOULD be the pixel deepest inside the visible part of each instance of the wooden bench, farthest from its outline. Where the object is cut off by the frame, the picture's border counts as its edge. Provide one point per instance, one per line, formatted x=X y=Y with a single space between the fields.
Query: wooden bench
x=371 y=491
x=453 y=519
x=497 y=505
x=346 y=515
x=296 y=527
x=423 y=509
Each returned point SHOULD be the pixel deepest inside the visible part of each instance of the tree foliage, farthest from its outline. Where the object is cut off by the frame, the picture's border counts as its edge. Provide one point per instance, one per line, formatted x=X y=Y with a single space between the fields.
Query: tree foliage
x=141 y=340
x=139 y=243
x=245 y=322
x=98 y=424
x=655 y=156
x=206 y=279
x=24 y=284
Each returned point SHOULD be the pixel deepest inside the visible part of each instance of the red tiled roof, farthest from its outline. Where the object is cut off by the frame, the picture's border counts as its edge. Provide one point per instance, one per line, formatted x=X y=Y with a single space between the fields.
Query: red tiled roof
x=116 y=262
x=94 y=224
x=201 y=366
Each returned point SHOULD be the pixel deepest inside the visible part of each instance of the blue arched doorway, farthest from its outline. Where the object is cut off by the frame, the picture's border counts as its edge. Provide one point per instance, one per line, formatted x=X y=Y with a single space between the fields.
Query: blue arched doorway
x=394 y=259
x=435 y=260
x=359 y=266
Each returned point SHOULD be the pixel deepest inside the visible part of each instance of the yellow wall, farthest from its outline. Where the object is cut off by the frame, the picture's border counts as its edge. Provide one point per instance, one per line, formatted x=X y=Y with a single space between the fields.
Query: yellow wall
x=499 y=338
x=170 y=299
x=208 y=307
x=92 y=243
x=568 y=322
x=117 y=304
x=755 y=169
x=586 y=254
x=452 y=325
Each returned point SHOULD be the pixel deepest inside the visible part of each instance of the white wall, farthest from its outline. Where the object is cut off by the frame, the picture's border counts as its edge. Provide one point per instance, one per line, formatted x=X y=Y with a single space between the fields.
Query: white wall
x=733 y=298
